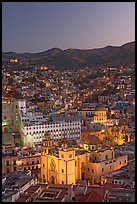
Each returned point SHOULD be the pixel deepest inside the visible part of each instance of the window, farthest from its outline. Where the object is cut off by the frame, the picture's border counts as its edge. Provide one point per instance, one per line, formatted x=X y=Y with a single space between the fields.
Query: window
x=62 y=170
x=32 y=162
x=62 y=182
x=88 y=169
x=92 y=170
x=75 y=163
x=27 y=163
x=110 y=167
x=115 y=181
x=36 y=167
x=92 y=147
x=8 y=171
x=7 y=163
x=43 y=165
x=14 y=163
x=43 y=176
x=14 y=168
x=119 y=182
x=29 y=168
x=22 y=163
x=106 y=156
x=24 y=168
x=33 y=167
x=102 y=169
x=120 y=162
x=125 y=161
x=37 y=162
x=112 y=154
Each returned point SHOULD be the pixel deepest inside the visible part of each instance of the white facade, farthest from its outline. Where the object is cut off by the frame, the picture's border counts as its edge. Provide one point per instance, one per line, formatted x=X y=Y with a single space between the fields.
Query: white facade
x=86 y=112
x=59 y=129
x=31 y=117
x=22 y=105
x=34 y=126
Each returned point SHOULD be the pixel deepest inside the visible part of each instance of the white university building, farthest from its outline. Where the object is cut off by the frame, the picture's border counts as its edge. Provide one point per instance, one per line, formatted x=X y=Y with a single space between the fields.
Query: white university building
x=33 y=126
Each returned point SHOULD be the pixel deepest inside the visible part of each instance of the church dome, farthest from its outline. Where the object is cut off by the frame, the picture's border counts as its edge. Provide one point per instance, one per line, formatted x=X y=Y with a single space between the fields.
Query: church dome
x=92 y=140
x=100 y=107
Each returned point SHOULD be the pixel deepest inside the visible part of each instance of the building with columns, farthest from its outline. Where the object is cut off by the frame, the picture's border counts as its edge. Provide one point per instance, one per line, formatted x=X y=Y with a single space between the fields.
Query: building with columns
x=57 y=167
x=100 y=114
x=71 y=165
x=33 y=126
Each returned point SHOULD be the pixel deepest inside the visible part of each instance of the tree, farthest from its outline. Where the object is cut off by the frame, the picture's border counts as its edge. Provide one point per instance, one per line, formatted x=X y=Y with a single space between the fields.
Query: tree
x=18 y=95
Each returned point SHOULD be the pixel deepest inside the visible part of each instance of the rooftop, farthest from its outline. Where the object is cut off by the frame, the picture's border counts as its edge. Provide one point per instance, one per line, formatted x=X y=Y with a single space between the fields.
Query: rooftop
x=59 y=192
x=91 y=139
x=100 y=107
x=15 y=182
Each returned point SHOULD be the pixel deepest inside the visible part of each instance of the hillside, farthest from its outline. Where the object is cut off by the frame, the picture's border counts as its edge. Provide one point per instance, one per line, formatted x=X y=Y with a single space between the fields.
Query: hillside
x=77 y=58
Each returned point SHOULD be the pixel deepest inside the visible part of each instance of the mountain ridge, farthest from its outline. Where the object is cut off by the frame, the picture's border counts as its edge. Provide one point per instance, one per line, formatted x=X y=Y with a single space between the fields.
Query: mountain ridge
x=78 y=58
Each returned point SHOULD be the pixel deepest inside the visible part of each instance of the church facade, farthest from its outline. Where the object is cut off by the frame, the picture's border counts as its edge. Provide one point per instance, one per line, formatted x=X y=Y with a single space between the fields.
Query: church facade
x=70 y=165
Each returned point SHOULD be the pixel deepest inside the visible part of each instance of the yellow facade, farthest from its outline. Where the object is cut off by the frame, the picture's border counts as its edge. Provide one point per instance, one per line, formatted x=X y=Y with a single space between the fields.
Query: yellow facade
x=59 y=169
x=100 y=116
x=13 y=163
x=72 y=165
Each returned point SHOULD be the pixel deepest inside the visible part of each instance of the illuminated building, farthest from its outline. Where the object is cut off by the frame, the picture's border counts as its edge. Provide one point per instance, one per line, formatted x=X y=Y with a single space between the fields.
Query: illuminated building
x=33 y=126
x=100 y=115
x=57 y=169
x=11 y=163
x=69 y=165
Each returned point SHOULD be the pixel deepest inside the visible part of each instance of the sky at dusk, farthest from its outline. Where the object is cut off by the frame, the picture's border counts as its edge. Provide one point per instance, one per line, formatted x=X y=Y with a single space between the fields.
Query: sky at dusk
x=39 y=26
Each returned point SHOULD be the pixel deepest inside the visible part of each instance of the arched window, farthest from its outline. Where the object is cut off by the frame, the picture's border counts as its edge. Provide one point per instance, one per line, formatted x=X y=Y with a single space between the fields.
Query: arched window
x=83 y=176
x=52 y=179
x=53 y=167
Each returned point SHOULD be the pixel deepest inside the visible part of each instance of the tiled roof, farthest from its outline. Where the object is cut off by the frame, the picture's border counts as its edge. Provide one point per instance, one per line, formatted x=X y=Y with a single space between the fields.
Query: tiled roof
x=92 y=196
x=22 y=198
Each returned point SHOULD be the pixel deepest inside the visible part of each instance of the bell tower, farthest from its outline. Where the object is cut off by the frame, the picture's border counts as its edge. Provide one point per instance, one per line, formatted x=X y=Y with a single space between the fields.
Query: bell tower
x=47 y=145
x=67 y=165
x=46 y=154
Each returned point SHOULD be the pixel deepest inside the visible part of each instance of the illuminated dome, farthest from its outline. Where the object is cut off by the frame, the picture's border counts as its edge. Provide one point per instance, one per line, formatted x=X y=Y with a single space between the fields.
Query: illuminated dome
x=92 y=140
x=100 y=107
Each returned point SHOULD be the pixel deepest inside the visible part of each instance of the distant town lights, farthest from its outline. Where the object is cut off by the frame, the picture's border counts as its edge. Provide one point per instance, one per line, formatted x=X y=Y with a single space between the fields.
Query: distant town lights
x=14 y=60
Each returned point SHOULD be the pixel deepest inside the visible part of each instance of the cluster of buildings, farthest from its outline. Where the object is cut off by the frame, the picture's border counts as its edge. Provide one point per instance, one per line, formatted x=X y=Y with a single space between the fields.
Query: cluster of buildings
x=65 y=143
x=83 y=171
x=29 y=190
